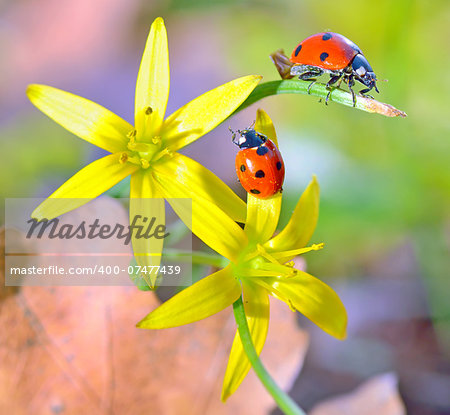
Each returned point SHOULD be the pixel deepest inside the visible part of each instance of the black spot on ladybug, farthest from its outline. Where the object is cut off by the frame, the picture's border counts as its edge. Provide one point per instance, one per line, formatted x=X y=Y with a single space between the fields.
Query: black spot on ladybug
x=262 y=150
x=327 y=36
x=279 y=165
x=255 y=191
x=323 y=56
x=259 y=174
x=242 y=167
x=297 y=51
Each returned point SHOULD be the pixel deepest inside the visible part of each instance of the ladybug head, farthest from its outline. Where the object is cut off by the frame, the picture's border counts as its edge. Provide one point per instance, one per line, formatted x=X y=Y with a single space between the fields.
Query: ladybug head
x=364 y=72
x=248 y=138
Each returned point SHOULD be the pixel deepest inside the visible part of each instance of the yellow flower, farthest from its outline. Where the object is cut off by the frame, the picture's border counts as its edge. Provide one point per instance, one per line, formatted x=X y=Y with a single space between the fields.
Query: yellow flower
x=259 y=265
x=147 y=151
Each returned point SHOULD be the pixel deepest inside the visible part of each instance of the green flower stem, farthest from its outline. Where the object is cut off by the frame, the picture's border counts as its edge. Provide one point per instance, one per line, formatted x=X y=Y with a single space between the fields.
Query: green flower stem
x=296 y=86
x=195 y=257
x=286 y=404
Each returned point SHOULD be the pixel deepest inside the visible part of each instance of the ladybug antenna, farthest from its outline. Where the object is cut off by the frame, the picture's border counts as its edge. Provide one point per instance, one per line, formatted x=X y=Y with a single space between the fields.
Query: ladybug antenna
x=252 y=124
x=233 y=137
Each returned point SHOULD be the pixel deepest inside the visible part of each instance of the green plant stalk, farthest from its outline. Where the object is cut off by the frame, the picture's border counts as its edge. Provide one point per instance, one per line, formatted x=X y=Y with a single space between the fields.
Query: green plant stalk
x=296 y=86
x=285 y=403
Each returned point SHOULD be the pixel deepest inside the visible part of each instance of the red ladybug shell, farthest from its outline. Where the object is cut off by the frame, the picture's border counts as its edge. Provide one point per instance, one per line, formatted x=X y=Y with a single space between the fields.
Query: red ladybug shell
x=325 y=50
x=260 y=169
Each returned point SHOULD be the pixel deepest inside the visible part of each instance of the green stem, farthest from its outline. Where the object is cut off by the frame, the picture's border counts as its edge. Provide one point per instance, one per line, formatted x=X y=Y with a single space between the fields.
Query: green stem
x=286 y=404
x=296 y=86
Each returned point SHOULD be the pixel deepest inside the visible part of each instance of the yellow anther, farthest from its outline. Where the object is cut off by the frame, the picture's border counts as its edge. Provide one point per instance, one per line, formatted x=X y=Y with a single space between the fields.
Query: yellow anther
x=123 y=158
x=162 y=153
x=290 y=264
x=156 y=140
x=145 y=164
x=291 y=306
x=293 y=273
x=148 y=110
x=132 y=134
x=295 y=252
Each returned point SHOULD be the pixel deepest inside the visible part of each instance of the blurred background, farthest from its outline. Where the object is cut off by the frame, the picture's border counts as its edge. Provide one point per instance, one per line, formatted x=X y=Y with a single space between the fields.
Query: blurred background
x=385 y=183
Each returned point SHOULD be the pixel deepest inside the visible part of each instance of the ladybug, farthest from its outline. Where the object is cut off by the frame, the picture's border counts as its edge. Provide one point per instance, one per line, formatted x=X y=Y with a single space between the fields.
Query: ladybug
x=334 y=54
x=259 y=165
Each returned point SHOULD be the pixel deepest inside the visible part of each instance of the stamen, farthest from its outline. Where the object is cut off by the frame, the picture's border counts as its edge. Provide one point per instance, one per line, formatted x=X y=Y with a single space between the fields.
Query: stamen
x=165 y=152
x=259 y=251
x=295 y=252
x=128 y=158
x=145 y=164
x=291 y=306
x=148 y=110
x=281 y=270
x=132 y=134
x=265 y=254
x=156 y=140
x=123 y=158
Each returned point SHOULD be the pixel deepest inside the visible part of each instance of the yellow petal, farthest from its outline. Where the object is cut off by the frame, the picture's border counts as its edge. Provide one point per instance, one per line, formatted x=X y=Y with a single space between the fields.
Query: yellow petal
x=153 y=82
x=257 y=310
x=88 y=183
x=204 y=113
x=262 y=217
x=300 y=227
x=195 y=179
x=203 y=299
x=146 y=202
x=313 y=298
x=210 y=223
x=143 y=185
x=82 y=117
x=264 y=125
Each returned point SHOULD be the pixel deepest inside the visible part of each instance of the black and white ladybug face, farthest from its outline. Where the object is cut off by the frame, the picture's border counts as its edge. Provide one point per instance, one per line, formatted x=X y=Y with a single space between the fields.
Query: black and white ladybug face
x=360 y=65
x=363 y=71
x=250 y=138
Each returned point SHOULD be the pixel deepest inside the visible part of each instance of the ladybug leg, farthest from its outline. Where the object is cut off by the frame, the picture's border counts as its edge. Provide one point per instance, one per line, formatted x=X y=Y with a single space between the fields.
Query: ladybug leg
x=363 y=93
x=351 y=83
x=333 y=80
x=309 y=76
x=310 y=86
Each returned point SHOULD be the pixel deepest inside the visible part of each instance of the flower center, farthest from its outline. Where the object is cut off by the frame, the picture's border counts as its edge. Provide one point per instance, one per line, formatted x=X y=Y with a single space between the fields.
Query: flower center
x=255 y=261
x=145 y=153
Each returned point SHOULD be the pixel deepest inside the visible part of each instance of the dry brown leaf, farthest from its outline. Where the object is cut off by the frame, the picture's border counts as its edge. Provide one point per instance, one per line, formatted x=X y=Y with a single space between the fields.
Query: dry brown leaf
x=72 y=350
x=377 y=396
